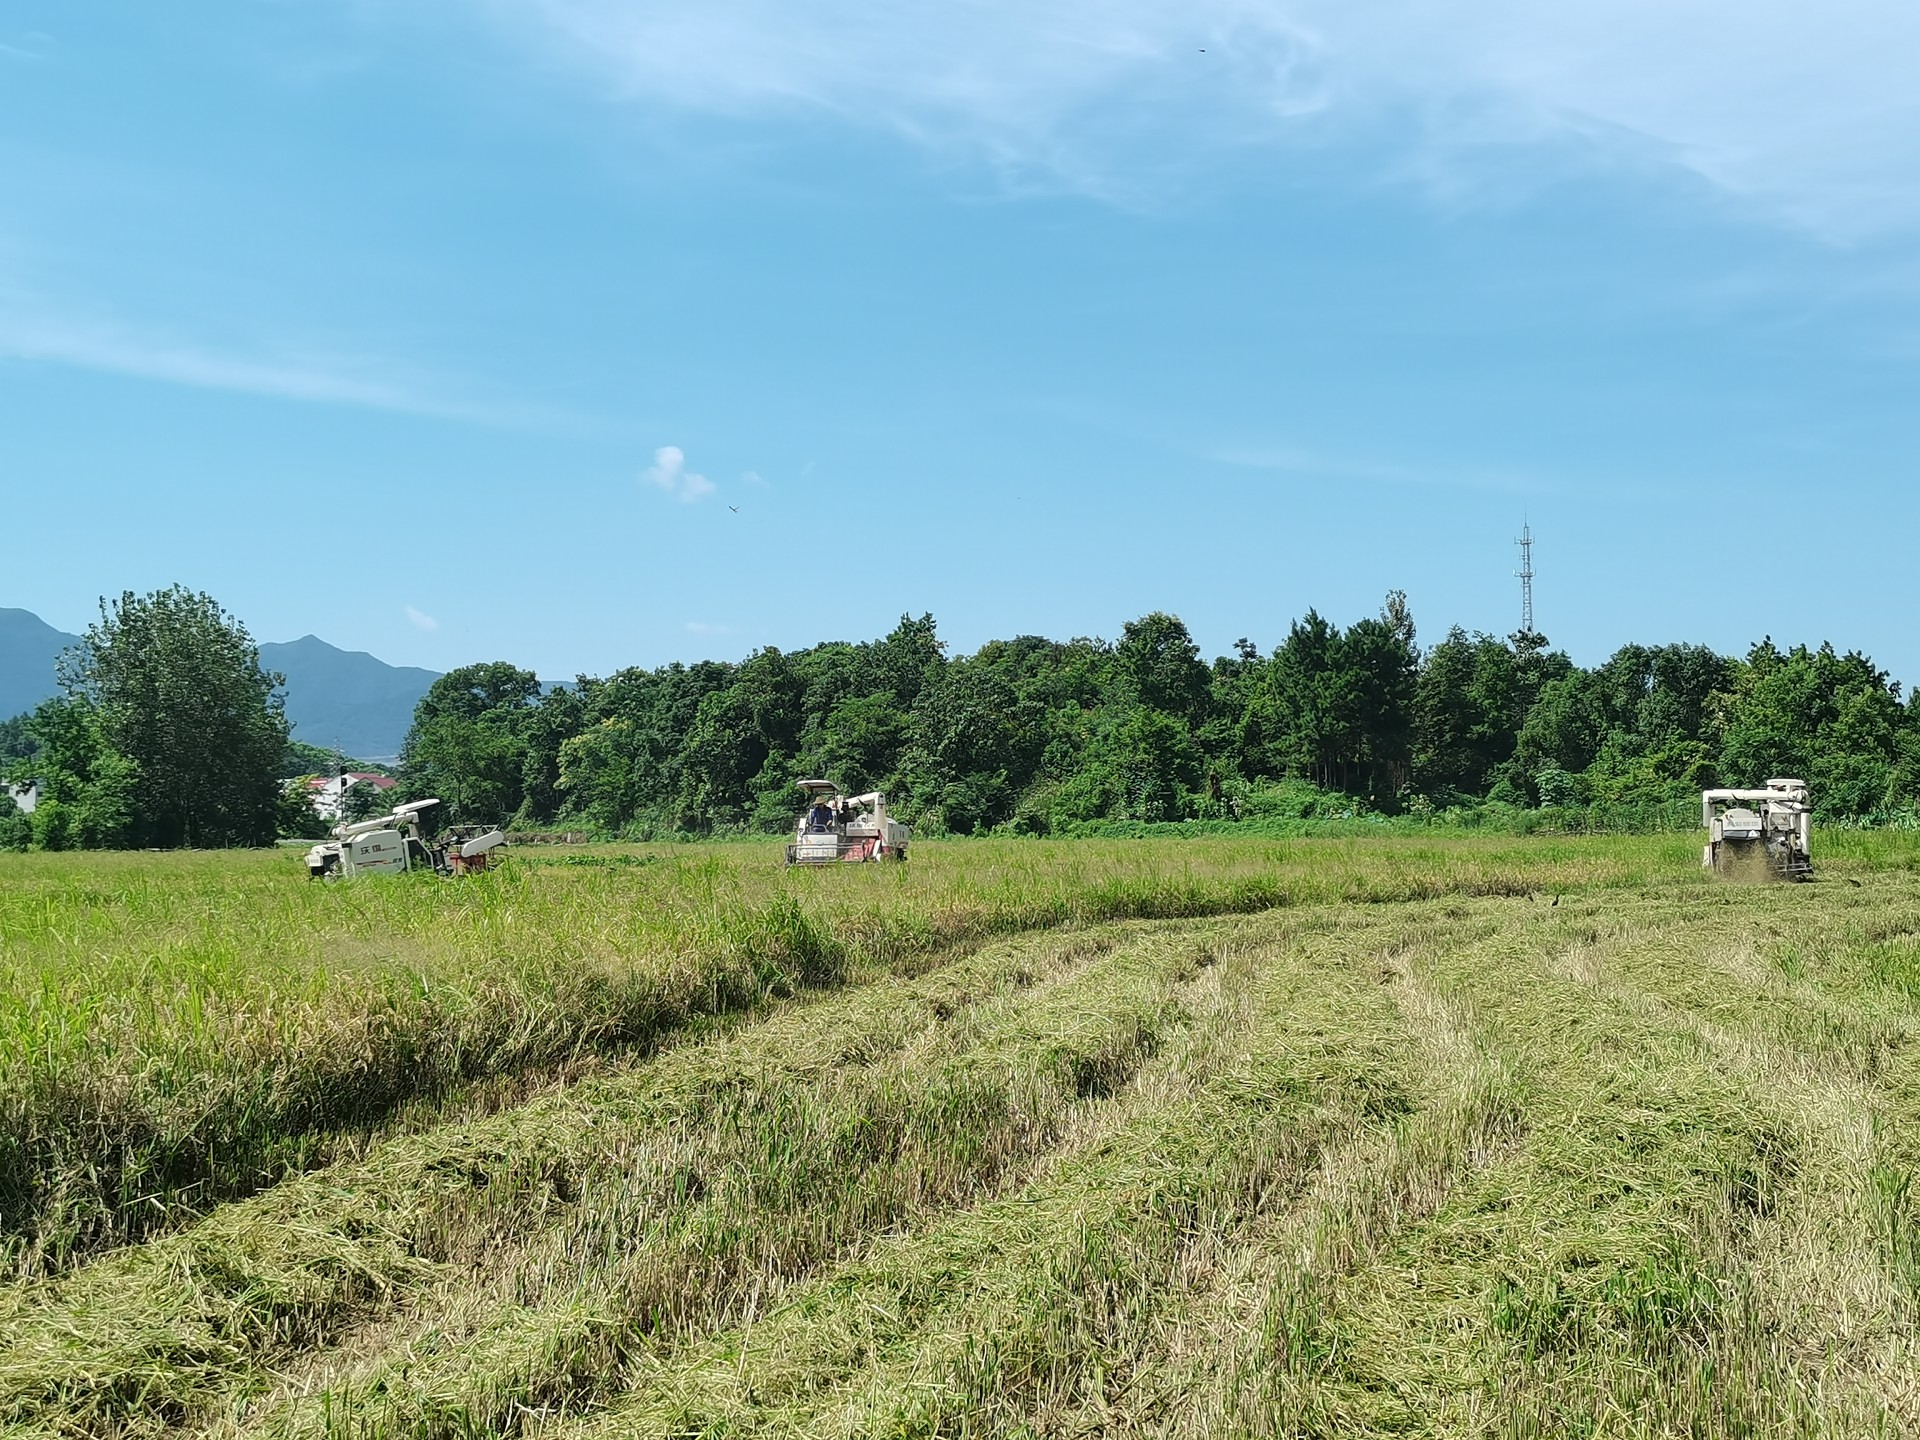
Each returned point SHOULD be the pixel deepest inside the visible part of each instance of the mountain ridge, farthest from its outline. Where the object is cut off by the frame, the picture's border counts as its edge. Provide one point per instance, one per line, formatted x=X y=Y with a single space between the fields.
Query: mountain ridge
x=347 y=700
x=29 y=647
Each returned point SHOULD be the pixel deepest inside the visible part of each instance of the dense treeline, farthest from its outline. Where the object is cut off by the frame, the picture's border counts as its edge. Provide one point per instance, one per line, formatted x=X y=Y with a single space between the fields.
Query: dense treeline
x=169 y=732
x=1040 y=736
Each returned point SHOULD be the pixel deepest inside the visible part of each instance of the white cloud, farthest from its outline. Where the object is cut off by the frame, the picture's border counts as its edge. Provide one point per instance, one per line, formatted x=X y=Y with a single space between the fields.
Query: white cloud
x=753 y=477
x=421 y=620
x=669 y=473
x=1809 y=115
x=703 y=627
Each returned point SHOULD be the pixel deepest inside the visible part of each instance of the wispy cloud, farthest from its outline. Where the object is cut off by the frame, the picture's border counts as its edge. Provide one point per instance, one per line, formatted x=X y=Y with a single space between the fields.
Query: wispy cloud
x=1047 y=92
x=421 y=620
x=753 y=477
x=34 y=329
x=1286 y=461
x=669 y=473
x=706 y=627
x=1306 y=465
x=1810 y=118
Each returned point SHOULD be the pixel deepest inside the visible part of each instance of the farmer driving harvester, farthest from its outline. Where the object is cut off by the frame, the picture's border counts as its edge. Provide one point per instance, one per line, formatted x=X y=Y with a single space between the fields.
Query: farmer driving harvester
x=835 y=827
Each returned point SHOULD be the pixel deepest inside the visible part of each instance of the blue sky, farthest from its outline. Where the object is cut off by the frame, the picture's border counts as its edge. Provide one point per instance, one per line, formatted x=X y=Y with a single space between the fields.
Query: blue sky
x=457 y=331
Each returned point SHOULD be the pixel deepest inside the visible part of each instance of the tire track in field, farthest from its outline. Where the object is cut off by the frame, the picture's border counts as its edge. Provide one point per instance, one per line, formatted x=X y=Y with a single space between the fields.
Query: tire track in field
x=495 y=1193
x=1366 y=1326
x=995 y=1313
x=1248 y=1357
x=1813 y=1249
x=459 y=1389
x=1655 y=1319
x=1615 y=1237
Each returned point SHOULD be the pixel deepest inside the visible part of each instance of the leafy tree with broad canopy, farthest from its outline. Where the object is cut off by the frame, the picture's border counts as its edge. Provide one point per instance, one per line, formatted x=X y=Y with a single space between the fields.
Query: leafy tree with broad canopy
x=169 y=733
x=467 y=747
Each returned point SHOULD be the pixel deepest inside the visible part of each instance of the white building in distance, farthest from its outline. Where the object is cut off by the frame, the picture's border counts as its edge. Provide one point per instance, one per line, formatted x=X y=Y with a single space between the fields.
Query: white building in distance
x=328 y=792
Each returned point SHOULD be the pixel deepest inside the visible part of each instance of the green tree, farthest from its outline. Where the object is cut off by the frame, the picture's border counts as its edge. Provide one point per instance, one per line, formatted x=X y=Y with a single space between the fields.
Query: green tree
x=1833 y=720
x=89 y=791
x=1557 y=787
x=177 y=692
x=302 y=760
x=1162 y=667
x=861 y=741
x=16 y=827
x=1307 y=721
x=741 y=755
x=1383 y=665
x=466 y=747
x=909 y=658
x=1340 y=705
x=297 y=819
x=16 y=740
x=544 y=731
x=975 y=740
x=1467 y=713
x=1565 y=726
x=606 y=774
x=1153 y=764
x=626 y=766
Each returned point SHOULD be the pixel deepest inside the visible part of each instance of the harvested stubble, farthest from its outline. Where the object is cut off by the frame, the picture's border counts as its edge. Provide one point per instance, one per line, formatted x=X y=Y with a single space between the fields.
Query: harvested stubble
x=1636 y=1164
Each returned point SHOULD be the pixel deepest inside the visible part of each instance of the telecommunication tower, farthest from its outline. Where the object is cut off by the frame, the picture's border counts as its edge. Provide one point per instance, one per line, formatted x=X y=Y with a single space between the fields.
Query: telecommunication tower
x=1525 y=572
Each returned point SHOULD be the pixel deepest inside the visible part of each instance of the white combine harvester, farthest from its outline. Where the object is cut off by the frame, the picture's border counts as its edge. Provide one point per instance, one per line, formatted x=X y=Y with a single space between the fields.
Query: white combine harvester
x=393 y=845
x=1759 y=834
x=838 y=827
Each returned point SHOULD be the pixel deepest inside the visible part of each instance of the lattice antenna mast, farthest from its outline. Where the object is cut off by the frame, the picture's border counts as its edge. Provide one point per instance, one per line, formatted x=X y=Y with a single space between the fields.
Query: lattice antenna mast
x=1525 y=572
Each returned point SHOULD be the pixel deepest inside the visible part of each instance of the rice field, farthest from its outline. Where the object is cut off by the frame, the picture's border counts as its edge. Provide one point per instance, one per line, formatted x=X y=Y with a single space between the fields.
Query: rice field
x=1475 y=1136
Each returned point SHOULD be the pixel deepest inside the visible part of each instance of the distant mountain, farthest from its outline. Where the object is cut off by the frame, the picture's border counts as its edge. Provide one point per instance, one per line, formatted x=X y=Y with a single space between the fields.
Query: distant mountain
x=28 y=648
x=340 y=699
x=346 y=699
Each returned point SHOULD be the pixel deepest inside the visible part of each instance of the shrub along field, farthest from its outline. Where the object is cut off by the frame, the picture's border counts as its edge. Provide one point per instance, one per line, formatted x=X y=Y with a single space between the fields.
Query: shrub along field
x=1208 y=1137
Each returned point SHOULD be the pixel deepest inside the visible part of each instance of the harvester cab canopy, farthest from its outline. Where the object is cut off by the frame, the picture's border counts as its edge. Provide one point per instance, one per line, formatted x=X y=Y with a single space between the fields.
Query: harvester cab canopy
x=836 y=827
x=1759 y=831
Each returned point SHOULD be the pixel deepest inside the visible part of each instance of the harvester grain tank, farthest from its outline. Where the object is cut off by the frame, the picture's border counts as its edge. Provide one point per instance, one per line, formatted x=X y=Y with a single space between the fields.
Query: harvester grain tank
x=394 y=844
x=1759 y=833
x=836 y=827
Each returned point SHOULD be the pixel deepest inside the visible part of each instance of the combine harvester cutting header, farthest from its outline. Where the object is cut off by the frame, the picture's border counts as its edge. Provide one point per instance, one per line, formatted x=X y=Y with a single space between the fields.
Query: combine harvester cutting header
x=1759 y=834
x=840 y=827
x=394 y=845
